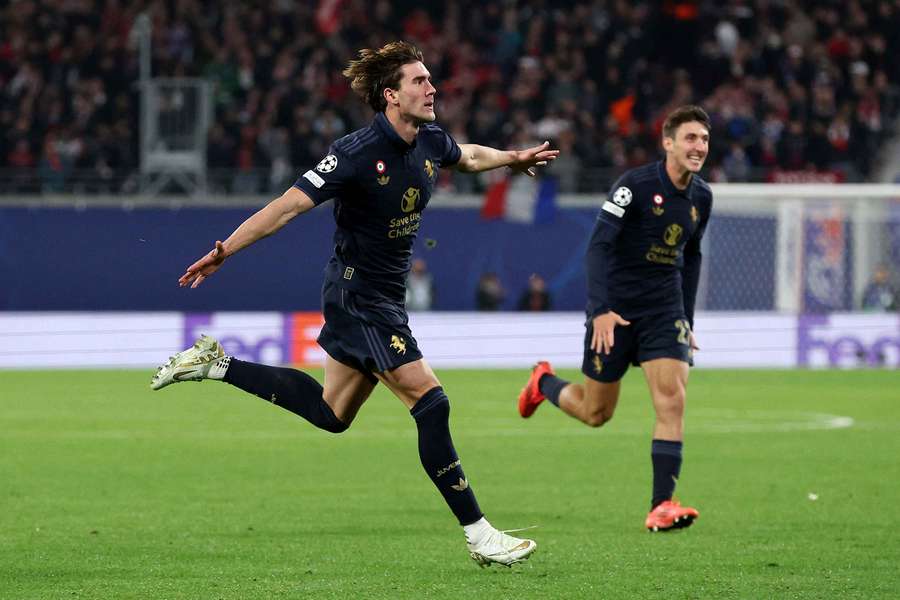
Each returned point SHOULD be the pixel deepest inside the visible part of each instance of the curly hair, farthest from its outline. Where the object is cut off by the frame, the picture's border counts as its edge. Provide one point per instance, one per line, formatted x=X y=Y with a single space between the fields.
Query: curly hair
x=376 y=70
x=684 y=114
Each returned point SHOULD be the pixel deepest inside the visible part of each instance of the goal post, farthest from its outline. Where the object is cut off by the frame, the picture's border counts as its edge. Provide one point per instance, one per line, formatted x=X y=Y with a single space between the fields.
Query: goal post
x=824 y=242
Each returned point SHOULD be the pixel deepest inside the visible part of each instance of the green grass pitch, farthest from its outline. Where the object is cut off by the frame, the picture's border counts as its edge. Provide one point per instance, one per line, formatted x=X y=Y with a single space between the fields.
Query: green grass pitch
x=110 y=491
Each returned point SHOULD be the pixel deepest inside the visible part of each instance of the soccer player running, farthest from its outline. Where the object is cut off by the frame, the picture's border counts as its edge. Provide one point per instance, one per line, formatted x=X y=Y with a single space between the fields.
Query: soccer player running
x=643 y=266
x=381 y=178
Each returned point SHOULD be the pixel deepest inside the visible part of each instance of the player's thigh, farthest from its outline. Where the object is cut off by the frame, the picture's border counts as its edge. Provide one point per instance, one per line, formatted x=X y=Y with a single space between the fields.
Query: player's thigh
x=601 y=397
x=346 y=389
x=667 y=379
x=410 y=381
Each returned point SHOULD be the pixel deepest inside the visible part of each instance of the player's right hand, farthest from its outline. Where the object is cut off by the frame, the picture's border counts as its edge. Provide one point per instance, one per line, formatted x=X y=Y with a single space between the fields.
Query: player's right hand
x=603 y=338
x=203 y=268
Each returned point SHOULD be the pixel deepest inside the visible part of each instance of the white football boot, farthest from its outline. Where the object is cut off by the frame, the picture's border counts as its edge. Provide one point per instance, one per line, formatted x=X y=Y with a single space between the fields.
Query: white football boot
x=193 y=364
x=494 y=546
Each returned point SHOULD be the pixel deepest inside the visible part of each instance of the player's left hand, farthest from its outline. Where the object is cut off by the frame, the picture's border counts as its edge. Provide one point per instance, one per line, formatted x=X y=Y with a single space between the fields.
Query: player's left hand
x=526 y=160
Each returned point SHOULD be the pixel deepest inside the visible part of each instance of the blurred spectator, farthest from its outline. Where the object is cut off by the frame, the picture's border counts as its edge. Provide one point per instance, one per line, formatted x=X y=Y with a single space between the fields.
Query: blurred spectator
x=419 y=287
x=792 y=85
x=535 y=298
x=490 y=293
x=880 y=295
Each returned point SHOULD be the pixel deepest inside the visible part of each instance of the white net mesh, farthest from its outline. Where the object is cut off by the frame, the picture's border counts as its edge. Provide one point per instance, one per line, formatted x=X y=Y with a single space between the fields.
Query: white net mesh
x=801 y=248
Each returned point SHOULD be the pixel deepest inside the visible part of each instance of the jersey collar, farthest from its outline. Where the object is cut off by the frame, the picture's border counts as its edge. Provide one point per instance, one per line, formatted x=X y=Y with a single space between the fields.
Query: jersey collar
x=669 y=187
x=384 y=127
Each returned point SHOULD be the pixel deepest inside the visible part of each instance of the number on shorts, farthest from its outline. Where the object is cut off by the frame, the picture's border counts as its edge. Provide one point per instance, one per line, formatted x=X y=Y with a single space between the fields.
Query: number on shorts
x=684 y=331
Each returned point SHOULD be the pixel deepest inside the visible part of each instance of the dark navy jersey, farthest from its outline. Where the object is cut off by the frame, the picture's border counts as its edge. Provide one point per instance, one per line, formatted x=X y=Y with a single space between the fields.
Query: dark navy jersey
x=644 y=254
x=380 y=185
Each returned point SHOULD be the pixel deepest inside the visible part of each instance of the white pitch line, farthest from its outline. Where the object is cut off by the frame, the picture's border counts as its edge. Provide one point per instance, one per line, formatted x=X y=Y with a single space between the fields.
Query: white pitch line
x=711 y=421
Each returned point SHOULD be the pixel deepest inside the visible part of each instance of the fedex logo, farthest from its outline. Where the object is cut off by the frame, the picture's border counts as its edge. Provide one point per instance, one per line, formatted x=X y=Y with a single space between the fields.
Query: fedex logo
x=848 y=340
x=269 y=338
x=255 y=337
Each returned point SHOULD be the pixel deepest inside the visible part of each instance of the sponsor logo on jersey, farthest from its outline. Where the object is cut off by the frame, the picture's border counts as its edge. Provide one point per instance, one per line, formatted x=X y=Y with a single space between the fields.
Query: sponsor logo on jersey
x=410 y=198
x=622 y=196
x=672 y=234
x=399 y=344
x=429 y=169
x=328 y=164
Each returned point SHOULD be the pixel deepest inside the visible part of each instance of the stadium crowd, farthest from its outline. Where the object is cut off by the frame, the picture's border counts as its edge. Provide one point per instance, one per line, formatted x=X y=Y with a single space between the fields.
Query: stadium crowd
x=791 y=85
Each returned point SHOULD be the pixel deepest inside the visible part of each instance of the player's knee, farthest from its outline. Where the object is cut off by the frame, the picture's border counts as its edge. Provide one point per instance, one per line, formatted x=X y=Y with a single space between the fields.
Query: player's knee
x=671 y=408
x=597 y=418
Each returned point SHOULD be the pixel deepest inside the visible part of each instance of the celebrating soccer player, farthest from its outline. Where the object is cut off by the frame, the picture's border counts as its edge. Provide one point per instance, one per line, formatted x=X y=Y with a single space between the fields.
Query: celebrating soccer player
x=643 y=266
x=381 y=178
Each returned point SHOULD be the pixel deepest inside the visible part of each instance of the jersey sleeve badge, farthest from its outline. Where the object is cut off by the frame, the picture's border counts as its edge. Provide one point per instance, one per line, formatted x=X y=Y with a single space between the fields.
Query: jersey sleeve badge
x=328 y=164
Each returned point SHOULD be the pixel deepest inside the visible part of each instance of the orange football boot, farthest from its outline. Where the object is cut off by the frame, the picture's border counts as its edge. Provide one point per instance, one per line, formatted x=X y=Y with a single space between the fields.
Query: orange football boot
x=531 y=394
x=670 y=515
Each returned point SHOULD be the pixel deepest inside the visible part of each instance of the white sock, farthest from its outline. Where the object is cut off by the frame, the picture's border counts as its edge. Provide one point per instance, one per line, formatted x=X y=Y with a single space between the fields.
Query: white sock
x=475 y=531
x=217 y=371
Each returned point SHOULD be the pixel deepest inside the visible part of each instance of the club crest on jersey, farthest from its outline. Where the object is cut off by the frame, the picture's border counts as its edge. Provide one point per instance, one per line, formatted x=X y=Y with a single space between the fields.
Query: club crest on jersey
x=380 y=168
x=429 y=169
x=328 y=164
x=622 y=196
x=658 y=208
x=398 y=344
x=410 y=198
x=695 y=214
x=672 y=234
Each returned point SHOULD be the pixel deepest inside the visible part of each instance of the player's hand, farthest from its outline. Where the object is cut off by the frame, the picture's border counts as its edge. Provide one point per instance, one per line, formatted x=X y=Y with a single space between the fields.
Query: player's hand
x=203 y=268
x=603 y=338
x=526 y=160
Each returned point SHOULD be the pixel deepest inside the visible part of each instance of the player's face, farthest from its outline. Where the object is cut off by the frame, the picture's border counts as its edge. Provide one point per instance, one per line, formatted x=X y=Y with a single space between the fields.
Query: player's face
x=416 y=94
x=690 y=146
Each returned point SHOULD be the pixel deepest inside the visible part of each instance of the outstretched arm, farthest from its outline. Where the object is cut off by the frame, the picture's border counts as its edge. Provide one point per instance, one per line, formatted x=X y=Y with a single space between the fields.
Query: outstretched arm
x=477 y=158
x=262 y=223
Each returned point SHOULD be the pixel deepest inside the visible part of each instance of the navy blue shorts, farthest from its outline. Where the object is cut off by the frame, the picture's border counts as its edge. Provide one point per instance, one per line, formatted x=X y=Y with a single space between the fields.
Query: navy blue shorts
x=366 y=333
x=664 y=335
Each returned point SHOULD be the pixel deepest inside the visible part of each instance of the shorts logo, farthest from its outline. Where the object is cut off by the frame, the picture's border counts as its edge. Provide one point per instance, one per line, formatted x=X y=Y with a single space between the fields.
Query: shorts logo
x=398 y=344
x=598 y=366
x=410 y=198
x=658 y=209
x=429 y=169
x=672 y=234
x=380 y=168
x=348 y=273
x=622 y=196
x=328 y=164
